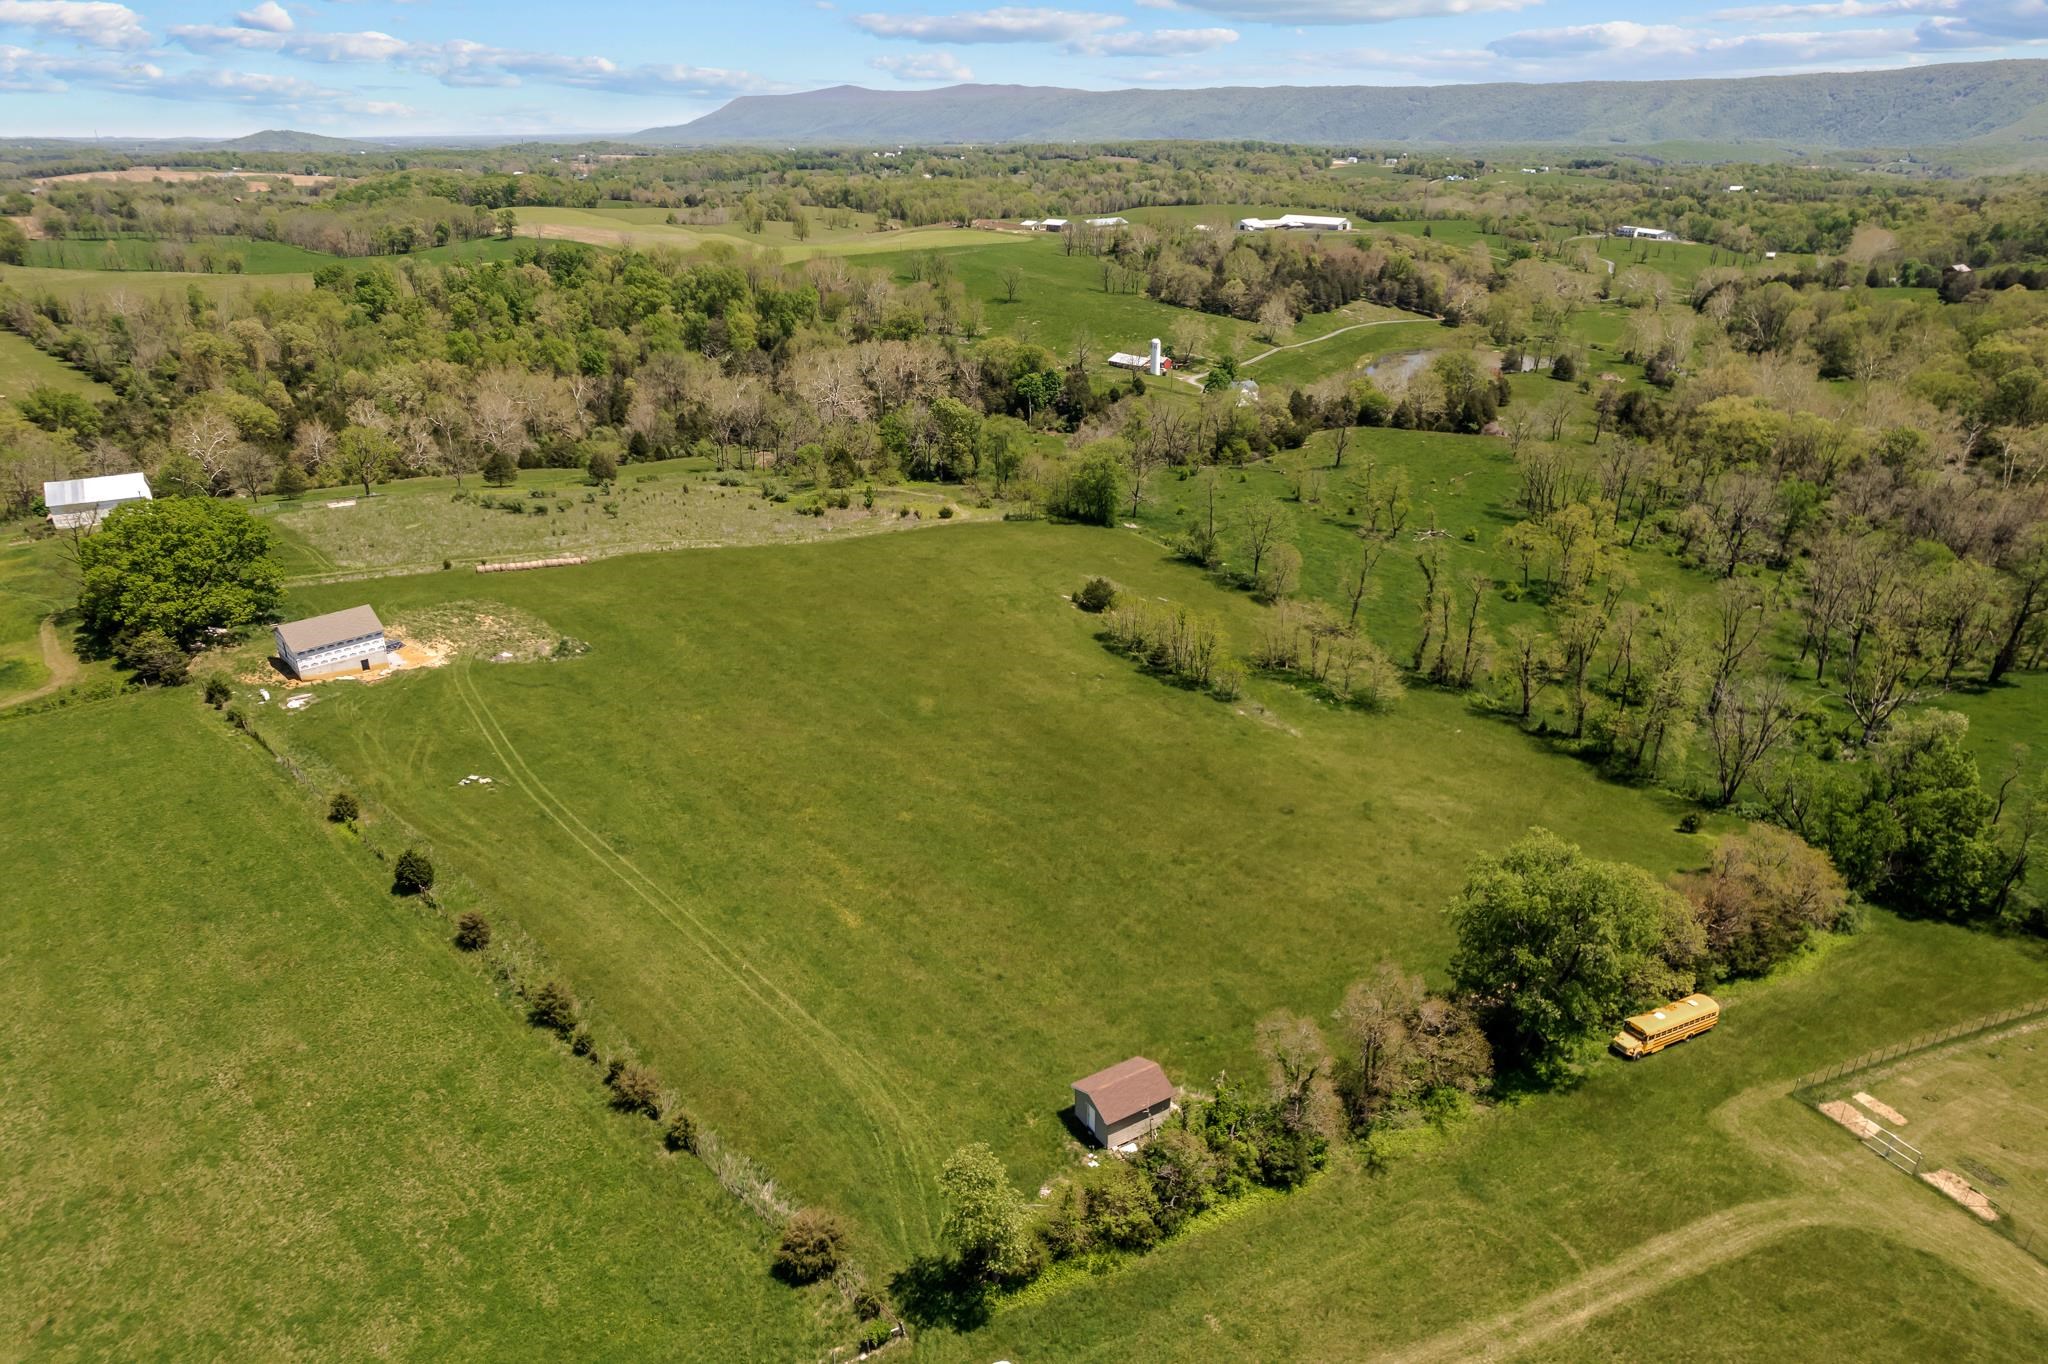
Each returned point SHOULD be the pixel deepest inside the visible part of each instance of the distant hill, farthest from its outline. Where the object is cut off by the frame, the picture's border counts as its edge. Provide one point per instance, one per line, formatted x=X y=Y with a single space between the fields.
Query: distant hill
x=1929 y=106
x=287 y=140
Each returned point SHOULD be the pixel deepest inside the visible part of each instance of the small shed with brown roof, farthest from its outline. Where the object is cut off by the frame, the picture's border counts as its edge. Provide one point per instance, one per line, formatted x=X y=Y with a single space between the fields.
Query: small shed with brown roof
x=1125 y=1103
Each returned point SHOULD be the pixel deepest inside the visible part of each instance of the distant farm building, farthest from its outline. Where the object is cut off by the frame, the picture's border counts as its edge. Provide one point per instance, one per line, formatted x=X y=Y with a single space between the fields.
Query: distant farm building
x=1153 y=362
x=1296 y=222
x=1109 y=222
x=1648 y=234
x=1125 y=1104
x=1044 y=224
x=340 y=641
x=81 y=503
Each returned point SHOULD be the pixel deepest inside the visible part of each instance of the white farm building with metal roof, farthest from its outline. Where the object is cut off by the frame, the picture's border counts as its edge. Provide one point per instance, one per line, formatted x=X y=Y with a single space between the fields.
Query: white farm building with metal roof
x=340 y=641
x=1299 y=222
x=81 y=503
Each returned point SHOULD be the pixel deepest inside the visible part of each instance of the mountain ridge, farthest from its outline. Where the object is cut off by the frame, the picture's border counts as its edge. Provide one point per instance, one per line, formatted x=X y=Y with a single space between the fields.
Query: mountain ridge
x=1939 y=105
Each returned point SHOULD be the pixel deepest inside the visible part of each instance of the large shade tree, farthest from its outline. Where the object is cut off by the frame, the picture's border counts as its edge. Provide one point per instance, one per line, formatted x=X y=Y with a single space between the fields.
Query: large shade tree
x=1559 y=946
x=182 y=565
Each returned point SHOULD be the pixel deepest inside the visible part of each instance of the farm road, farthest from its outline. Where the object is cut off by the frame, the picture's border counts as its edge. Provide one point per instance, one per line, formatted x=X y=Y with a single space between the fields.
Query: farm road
x=1840 y=1185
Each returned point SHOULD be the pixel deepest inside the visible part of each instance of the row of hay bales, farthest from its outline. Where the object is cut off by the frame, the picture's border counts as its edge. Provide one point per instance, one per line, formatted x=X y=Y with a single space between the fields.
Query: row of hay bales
x=563 y=561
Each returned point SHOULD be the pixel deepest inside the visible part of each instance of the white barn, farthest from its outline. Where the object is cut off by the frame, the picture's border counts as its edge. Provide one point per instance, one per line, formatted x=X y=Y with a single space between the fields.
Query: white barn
x=1152 y=362
x=81 y=503
x=340 y=641
x=1124 y=1104
x=1299 y=222
x=1651 y=234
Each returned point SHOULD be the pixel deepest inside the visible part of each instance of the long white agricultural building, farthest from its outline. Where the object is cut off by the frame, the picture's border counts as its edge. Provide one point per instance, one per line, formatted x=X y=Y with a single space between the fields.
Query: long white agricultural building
x=81 y=503
x=1301 y=222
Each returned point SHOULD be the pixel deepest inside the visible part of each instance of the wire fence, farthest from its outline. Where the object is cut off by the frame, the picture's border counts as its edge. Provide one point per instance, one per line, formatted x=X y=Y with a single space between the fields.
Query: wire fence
x=1803 y=1087
x=1812 y=1090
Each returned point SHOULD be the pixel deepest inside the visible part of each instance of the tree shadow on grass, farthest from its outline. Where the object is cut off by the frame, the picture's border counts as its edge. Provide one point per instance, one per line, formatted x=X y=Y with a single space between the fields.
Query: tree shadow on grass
x=933 y=1290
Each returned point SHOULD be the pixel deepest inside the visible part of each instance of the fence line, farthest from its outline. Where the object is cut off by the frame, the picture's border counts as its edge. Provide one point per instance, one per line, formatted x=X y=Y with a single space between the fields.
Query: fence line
x=1924 y=1042
x=1903 y=1155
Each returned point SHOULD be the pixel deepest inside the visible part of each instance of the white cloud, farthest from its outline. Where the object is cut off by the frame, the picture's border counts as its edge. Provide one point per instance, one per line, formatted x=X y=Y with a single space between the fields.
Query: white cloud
x=1083 y=34
x=1672 y=49
x=93 y=23
x=463 y=63
x=269 y=16
x=1004 y=24
x=1343 y=11
x=924 y=66
x=25 y=72
x=1160 y=42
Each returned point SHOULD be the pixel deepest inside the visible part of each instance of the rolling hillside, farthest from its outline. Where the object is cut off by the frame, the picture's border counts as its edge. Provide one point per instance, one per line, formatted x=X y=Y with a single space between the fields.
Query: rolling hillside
x=1925 y=107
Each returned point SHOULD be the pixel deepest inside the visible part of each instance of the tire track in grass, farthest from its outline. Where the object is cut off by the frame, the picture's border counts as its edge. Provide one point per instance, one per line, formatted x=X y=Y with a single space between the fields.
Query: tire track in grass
x=1647 y=1268
x=860 y=1077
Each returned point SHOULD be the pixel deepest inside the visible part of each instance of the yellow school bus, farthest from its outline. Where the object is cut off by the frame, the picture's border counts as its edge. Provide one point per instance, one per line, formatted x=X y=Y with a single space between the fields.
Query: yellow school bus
x=1659 y=1028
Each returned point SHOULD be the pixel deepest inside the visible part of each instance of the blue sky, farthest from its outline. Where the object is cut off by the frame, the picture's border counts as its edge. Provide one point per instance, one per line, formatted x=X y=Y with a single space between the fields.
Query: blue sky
x=163 y=67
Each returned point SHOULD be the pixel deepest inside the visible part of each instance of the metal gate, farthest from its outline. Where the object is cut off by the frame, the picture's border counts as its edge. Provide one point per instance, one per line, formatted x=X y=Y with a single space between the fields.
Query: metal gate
x=1895 y=1149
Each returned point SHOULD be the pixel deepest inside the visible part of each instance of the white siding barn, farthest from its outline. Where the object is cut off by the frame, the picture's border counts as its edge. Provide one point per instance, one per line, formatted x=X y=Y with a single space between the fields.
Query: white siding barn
x=80 y=503
x=1124 y=1104
x=340 y=641
x=1299 y=222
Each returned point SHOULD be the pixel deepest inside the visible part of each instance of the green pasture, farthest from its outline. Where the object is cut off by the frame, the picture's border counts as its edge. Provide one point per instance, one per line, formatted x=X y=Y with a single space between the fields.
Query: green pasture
x=1060 y=297
x=23 y=367
x=141 y=283
x=33 y=584
x=630 y=227
x=899 y=779
x=1309 y=358
x=1820 y=1293
x=1677 y=1192
x=203 y=255
x=420 y=523
x=256 y=1107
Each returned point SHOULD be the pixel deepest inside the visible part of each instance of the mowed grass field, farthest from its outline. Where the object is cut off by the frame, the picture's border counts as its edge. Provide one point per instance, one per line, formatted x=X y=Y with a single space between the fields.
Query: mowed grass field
x=32 y=585
x=419 y=523
x=254 y=1107
x=1980 y=1108
x=645 y=228
x=1678 y=1193
x=140 y=253
x=1820 y=1293
x=1060 y=298
x=34 y=280
x=23 y=367
x=873 y=848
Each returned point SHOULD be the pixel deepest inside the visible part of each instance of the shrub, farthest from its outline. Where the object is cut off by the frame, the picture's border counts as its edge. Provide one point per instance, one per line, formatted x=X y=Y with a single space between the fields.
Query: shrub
x=682 y=1132
x=580 y=1042
x=154 y=657
x=1564 y=367
x=552 y=1007
x=1096 y=595
x=1689 y=822
x=812 y=1242
x=218 y=693
x=946 y=512
x=601 y=466
x=343 y=809
x=636 y=1090
x=472 y=932
x=414 y=874
x=875 y=1335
